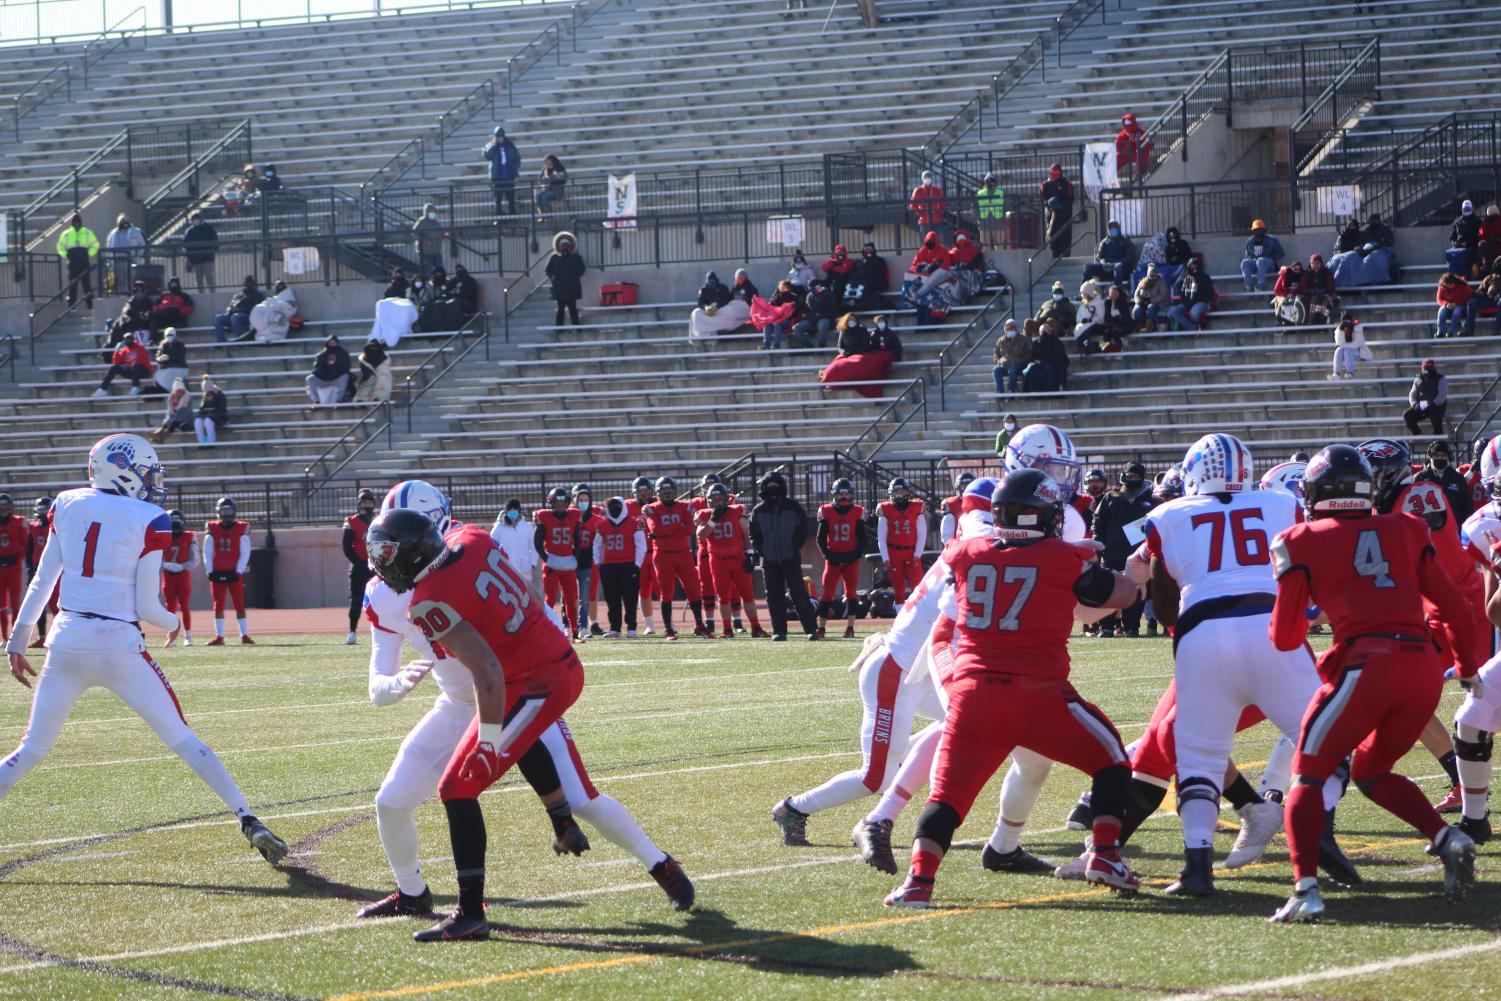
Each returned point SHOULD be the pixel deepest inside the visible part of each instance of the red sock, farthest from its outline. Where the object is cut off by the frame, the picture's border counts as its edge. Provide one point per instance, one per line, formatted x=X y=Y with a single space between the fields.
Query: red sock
x=1397 y=795
x=1106 y=835
x=1304 y=813
x=924 y=864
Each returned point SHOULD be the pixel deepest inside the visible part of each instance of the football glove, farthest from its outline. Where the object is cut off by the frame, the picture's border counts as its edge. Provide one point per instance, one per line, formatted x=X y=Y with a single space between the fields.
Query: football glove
x=750 y=562
x=483 y=764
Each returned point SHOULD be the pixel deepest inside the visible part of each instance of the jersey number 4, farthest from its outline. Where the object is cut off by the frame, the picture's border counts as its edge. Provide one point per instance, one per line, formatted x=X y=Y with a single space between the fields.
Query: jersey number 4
x=1250 y=544
x=981 y=594
x=1370 y=561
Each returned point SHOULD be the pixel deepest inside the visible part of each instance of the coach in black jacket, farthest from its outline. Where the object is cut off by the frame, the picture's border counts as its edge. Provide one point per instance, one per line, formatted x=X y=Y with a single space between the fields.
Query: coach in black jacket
x=1124 y=506
x=779 y=527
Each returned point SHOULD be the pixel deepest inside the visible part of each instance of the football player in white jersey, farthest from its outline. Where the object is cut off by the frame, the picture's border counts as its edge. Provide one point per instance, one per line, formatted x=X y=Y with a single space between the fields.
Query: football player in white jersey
x=552 y=767
x=105 y=550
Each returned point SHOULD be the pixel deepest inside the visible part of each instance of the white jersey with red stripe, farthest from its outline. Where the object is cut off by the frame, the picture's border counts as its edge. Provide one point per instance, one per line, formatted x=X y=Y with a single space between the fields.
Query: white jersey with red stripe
x=102 y=538
x=1481 y=535
x=1218 y=548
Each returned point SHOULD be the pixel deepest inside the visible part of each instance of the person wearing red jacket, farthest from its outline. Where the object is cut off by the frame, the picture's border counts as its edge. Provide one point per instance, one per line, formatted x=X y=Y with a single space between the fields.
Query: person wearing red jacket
x=557 y=539
x=1490 y=238
x=927 y=202
x=178 y=560
x=173 y=308
x=1453 y=297
x=965 y=253
x=838 y=268
x=15 y=542
x=1133 y=150
x=38 y=530
x=131 y=360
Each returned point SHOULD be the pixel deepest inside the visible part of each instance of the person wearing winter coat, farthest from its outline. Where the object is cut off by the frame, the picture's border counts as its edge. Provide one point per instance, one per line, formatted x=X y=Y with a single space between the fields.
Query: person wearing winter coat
x=1453 y=298
x=1349 y=347
x=1487 y=296
x=213 y=413
x=1113 y=257
x=272 y=319
x=1013 y=352
x=821 y=314
x=865 y=357
x=395 y=317
x=1305 y=295
x=1049 y=354
x=1286 y=293
x=133 y=361
x=854 y=339
x=1152 y=296
x=236 y=315
x=927 y=203
x=505 y=166
x=1194 y=291
x=743 y=289
x=1489 y=248
x=551 y=184
x=718 y=311
x=1133 y=150
x=1464 y=240
x=1263 y=256
x=200 y=241
x=173 y=308
x=171 y=359
x=374 y=374
x=836 y=270
x=77 y=246
x=801 y=273
x=1428 y=398
x=329 y=378
x=786 y=294
x=179 y=415
x=1058 y=306
x=125 y=247
x=868 y=279
x=565 y=269
x=135 y=315
x=427 y=238
x=883 y=338
x=1117 y=320
x=1057 y=194
x=929 y=268
x=1176 y=253
x=1089 y=318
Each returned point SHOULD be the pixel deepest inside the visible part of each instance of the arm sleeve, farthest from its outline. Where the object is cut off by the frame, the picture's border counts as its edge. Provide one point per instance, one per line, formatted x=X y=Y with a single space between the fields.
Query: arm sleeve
x=244 y=560
x=1289 y=622
x=539 y=541
x=881 y=529
x=1442 y=396
x=920 y=544
x=193 y=556
x=862 y=537
x=1094 y=586
x=348 y=542
x=640 y=539
x=755 y=533
x=385 y=663
x=946 y=527
x=48 y=569
x=1439 y=588
x=822 y=538
x=598 y=548
x=149 y=607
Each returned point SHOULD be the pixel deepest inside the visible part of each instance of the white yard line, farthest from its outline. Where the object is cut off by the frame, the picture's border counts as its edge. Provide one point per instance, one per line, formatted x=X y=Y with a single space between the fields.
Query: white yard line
x=1341 y=972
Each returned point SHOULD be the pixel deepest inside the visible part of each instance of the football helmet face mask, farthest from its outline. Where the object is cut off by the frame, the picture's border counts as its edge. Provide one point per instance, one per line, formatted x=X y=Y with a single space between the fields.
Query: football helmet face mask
x=1286 y=477
x=403 y=545
x=643 y=487
x=667 y=489
x=843 y=492
x=557 y=500
x=179 y=522
x=422 y=496
x=1027 y=506
x=1046 y=448
x=1171 y=487
x=1391 y=463
x=719 y=496
x=1218 y=464
x=41 y=507
x=963 y=480
x=127 y=465
x=1338 y=481
x=899 y=490
x=708 y=480
x=226 y=510
x=1095 y=483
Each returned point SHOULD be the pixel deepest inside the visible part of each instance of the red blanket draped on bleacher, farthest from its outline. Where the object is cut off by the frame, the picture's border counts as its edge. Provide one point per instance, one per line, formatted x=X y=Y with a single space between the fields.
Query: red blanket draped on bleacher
x=867 y=367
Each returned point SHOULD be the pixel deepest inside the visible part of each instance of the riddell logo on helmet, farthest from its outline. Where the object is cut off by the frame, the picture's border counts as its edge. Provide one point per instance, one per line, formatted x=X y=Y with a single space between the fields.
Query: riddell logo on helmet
x=1345 y=504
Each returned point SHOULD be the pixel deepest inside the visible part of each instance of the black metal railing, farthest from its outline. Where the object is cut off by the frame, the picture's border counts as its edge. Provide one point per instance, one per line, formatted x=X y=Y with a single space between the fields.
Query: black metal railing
x=1355 y=86
x=171 y=203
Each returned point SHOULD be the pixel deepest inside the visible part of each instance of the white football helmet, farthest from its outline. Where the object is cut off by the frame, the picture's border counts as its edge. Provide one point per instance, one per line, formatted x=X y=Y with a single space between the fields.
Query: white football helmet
x=126 y=464
x=1490 y=467
x=1044 y=447
x=420 y=495
x=1218 y=464
x=1285 y=477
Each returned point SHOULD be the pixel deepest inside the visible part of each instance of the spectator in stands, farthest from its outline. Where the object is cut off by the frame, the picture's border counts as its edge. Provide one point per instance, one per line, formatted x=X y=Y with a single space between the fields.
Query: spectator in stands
x=854 y=339
x=1453 y=297
x=1490 y=238
x=743 y=289
x=236 y=316
x=329 y=379
x=1114 y=256
x=1287 y=305
x=1133 y=151
x=990 y=206
x=1349 y=347
x=927 y=204
x=788 y=301
x=1176 y=253
x=1428 y=397
x=1013 y=352
x=1263 y=256
x=1346 y=262
x=1058 y=211
x=801 y=273
x=551 y=185
x=1486 y=297
x=78 y=246
x=179 y=416
x=1320 y=294
x=173 y=308
x=273 y=319
x=213 y=413
x=1464 y=240
x=171 y=359
x=374 y=374
x=713 y=296
x=929 y=268
x=397 y=285
x=1089 y=318
x=270 y=179
x=199 y=244
x=967 y=264
x=463 y=291
x=1058 y=306
x=1152 y=296
x=1049 y=369
x=505 y=167
x=836 y=270
x=423 y=293
x=1378 y=264
x=125 y=248
x=1004 y=435
x=427 y=235
x=131 y=360
x=1348 y=239
x=395 y=317
x=135 y=316
x=821 y=312
x=868 y=280
x=1440 y=470
x=1118 y=321
x=883 y=337
x=241 y=191
x=1194 y=292
x=565 y=269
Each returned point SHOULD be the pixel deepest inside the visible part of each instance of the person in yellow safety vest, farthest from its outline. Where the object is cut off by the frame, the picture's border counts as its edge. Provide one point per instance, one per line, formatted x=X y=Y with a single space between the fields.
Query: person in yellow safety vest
x=991 y=199
x=78 y=246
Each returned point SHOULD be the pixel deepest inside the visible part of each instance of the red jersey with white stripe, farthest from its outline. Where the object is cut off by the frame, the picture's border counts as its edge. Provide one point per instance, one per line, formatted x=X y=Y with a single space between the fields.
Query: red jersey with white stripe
x=558 y=531
x=619 y=541
x=670 y=526
x=386 y=611
x=842 y=525
x=726 y=534
x=37 y=530
x=588 y=528
x=15 y=537
x=1220 y=549
x=103 y=537
x=901 y=525
x=472 y=582
x=224 y=544
x=1427 y=500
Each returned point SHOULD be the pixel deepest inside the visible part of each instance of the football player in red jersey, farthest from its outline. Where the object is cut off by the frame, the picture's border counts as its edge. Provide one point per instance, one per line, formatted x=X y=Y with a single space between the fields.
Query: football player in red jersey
x=38 y=530
x=669 y=525
x=648 y=585
x=701 y=558
x=229 y=548
x=15 y=542
x=901 y=535
x=1013 y=602
x=953 y=507
x=526 y=674
x=178 y=561
x=557 y=539
x=841 y=539
x=1370 y=573
x=722 y=533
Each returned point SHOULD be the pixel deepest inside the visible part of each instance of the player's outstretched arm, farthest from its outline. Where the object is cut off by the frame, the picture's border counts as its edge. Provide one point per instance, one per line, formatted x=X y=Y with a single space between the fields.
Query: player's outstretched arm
x=1164 y=593
x=149 y=607
x=49 y=568
x=1103 y=590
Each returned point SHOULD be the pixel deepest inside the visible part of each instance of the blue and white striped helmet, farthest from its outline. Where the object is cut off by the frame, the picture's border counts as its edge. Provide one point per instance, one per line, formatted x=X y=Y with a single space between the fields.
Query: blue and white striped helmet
x=1218 y=464
x=420 y=495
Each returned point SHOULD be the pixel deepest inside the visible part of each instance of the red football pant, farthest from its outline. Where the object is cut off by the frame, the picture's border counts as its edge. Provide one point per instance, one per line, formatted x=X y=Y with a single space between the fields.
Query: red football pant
x=10 y=596
x=236 y=592
x=706 y=578
x=906 y=571
x=532 y=706
x=566 y=582
x=1156 y=754
x=992 y=714
x=833 y=574
x=672 y=567
x=177 y=591
x=732 y=582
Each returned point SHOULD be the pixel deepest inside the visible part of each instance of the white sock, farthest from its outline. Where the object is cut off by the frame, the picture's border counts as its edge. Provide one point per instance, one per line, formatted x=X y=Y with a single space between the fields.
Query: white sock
x=1279 y=767
x=846 y=787
x=1007 y=836
x=910 y=777
x=206 y=765
x=1199 y=818
x=616 y=824
x=1334 y=789
x=1019 y=792
x=648 y=621
x=398 y=836
x=219 y=628
x=243 y=628
x=1474 y=775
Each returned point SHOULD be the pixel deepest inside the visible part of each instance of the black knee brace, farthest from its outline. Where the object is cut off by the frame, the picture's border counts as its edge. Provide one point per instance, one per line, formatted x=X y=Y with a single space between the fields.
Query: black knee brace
x=1109 y=789
x=938 y=823
x=537 y=767
x=1479 y=750
x=1198 y=788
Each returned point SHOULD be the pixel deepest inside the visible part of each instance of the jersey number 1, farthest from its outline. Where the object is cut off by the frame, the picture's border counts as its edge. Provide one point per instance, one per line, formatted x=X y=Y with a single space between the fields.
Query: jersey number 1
x=90 y=546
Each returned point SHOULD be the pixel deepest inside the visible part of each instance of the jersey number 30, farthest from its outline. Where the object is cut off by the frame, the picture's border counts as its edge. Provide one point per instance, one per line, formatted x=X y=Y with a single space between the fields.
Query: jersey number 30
x=981 y=594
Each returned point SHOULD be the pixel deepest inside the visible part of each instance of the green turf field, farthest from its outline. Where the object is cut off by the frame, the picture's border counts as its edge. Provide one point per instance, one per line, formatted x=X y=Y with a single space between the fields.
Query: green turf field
x=121 y=879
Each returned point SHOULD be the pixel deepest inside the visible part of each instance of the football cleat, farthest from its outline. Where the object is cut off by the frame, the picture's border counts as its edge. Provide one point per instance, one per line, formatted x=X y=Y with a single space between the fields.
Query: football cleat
x=187 y=640
x=630 y=634
x=793 y=822
x=1197 y=877
x=1081 y=817
x=674 y=882
x=247 y=641
x=849 y=632
x=1112 y=873
x=1451 y=803
x=455 y=928
x=727 y=633
x=670 y=635
x=1306 y=905
x=572 y=841
x=1073 y=868
x=1458 y=854
x=1259 y=822
x=703 y=632
x=914 y=892
x=1017 y=859
x=40 y=644
x=216 y=641
x=272 y=848
x=399 y=905
x=758 y=633
x=1479 y=831
x=1332 y=860
x=349 y=640
x=874 y=841
x=595 y=629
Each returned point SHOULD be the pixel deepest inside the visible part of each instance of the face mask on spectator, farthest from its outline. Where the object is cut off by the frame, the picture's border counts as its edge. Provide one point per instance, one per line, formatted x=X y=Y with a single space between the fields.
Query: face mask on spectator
x=930 y=244
x=418 y=283
x=513 y=516
x=433 y=216
x=1009 y=425
x=1115 y=231
x=1438 y=460
x=1057 y=296
x=881 y=325
x=584 y=504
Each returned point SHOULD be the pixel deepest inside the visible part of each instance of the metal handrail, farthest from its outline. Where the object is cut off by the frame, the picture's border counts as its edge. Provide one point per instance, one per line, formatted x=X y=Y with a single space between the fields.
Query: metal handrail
x=1326 y=103
x=944 y=368
x=914 y=385
x=70 y=179
x=85 y=60
x=34 y=334
x=1458 y=433
x=408 y=395
x=237 y=132
x=921 y=405
x=383 y=407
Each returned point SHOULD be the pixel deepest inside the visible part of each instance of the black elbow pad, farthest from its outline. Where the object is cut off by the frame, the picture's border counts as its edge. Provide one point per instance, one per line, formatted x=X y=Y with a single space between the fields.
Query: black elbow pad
x=1094 y=586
